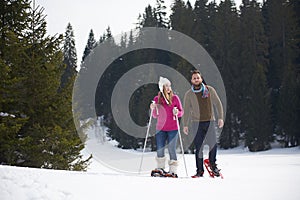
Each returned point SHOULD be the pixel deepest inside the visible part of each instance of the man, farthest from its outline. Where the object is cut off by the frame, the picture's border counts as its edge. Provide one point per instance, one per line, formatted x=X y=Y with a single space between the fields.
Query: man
x=198 y=106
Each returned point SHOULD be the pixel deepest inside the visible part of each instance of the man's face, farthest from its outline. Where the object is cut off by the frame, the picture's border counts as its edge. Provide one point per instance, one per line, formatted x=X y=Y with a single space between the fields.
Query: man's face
x=196 y=80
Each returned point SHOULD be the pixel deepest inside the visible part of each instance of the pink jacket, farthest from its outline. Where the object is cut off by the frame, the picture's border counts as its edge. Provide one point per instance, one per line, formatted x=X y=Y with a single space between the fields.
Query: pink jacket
x=166 y=121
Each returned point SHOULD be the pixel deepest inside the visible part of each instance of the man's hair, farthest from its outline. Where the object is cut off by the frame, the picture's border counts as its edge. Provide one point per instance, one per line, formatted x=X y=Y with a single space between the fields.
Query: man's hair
x=196 y=71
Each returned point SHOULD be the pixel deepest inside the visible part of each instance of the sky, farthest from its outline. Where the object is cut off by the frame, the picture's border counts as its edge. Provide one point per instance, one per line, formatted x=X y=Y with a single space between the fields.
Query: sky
x=85 y=15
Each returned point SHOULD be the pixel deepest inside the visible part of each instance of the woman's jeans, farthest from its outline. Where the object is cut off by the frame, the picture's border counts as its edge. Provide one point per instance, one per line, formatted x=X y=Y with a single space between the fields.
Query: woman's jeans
x=205 y=134
x=164 y=138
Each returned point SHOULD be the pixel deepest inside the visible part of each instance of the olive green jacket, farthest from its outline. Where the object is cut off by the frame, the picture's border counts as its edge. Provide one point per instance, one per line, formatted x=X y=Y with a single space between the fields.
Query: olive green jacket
x=197 y=108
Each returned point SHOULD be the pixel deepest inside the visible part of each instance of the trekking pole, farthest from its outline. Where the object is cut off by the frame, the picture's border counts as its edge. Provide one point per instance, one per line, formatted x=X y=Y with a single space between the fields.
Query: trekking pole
x=147 y=134
x=180 y=140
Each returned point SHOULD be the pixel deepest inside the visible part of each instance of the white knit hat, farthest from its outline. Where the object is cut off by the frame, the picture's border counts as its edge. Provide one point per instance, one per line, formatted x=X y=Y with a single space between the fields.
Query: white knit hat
x=162 y=81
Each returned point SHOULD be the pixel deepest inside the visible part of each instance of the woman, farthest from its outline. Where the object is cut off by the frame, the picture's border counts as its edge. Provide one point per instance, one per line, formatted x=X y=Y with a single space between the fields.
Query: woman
x=167 y=108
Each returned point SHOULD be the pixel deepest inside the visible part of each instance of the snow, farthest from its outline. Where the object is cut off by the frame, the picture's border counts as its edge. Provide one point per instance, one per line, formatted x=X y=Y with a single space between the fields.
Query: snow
x=272 y=174
x=2 y=114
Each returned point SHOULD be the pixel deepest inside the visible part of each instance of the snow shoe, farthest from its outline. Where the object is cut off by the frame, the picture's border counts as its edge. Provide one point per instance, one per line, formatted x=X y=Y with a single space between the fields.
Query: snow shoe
x=171 y=175
x=212 y=169
x=158 y=172
x=198 y=174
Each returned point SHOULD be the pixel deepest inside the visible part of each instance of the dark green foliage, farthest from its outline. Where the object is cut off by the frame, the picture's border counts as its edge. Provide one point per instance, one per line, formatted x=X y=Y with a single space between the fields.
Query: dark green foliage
x=182 y=17
x=13 y=20
x=288 y=108
x=259 y=131
x=288 y=100
x=70 y=55
x=38 y=130
x=162 y=20
x=154 y=16
x=253 y=87
x=91 y=44
x=201 y=30
x=225 y=49
x=282 y=27
x=259 y=41
x=256 y=49
x=149 y=18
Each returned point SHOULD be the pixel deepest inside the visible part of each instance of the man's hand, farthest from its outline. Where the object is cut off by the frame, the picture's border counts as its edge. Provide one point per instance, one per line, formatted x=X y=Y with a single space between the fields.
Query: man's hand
x=186 y=130
x=220 y=123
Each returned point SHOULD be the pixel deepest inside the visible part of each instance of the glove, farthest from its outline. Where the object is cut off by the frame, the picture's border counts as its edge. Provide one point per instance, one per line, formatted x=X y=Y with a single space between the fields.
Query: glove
x=152 y=106
x=175 y=111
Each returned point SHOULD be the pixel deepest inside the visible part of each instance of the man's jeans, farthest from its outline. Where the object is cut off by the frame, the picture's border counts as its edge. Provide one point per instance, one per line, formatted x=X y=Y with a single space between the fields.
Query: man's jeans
x=205 y=134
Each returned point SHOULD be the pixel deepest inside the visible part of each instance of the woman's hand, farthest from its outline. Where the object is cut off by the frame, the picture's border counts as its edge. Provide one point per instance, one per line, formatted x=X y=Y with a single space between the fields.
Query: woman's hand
x=175 y=111
x=152 y=106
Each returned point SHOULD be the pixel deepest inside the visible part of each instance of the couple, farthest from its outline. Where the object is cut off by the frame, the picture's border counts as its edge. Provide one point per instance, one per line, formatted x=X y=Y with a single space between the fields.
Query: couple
x=167 y=107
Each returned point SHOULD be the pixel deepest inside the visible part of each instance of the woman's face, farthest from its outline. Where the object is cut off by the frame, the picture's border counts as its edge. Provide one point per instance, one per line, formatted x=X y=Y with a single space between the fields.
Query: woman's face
x=168 y=88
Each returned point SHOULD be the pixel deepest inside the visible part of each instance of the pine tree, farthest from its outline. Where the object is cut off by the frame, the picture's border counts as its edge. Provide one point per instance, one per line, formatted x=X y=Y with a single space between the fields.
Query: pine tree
x=108 y=33
x=149 y=18
x=211 y=27
x=70 y=55
x=152 y=17
x=130 y=39
x=296 y=6
x=283 y=34
x=254 y=45
x=104 y=94
x=288 y=105
x=49 y=138
x=161 y=14
x=201 y=33
x=182 y=17
x=275 y=29
x=109 y=37
x=102 y=38
x=275 y=23
x=288 y=101
x=91 y=44
x=123 y=42
x=11 y=121
x=225 y=41
x=259 y=133
x=13 y=19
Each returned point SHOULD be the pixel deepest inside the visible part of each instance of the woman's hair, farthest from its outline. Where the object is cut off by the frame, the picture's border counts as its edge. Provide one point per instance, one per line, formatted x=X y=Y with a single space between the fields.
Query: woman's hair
x=169 y=97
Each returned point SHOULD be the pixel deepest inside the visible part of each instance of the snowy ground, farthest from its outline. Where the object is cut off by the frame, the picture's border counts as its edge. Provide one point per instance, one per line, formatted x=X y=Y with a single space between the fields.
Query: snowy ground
x=270 y=175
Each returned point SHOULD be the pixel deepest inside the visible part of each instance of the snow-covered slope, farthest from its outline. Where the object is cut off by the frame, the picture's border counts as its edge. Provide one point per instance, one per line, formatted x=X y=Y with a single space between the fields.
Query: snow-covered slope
x=270 y=175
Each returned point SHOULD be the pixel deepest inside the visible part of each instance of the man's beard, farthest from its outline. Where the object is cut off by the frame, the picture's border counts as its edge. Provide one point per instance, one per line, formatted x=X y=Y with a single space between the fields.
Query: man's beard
x=197 y=86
